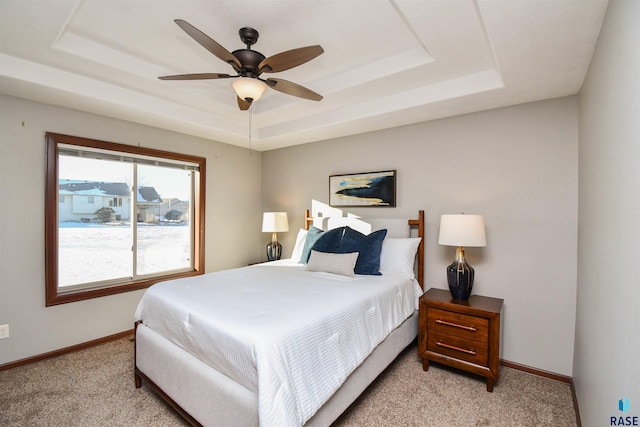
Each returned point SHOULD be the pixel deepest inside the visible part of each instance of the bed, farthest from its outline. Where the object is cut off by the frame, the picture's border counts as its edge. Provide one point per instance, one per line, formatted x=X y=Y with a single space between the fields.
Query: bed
x=285 y=343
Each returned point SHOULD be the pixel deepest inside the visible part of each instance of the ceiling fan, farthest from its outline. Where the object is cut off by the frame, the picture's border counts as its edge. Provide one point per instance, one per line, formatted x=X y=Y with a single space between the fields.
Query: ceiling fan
x=250 y=64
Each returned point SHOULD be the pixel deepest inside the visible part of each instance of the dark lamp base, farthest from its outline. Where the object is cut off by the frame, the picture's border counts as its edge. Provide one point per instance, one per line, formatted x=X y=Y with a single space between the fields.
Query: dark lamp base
x=460 y=277
x=274 y=251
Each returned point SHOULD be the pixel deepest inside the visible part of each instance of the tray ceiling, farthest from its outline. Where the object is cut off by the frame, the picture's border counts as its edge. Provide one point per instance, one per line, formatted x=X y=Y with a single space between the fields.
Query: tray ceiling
x=386 y=63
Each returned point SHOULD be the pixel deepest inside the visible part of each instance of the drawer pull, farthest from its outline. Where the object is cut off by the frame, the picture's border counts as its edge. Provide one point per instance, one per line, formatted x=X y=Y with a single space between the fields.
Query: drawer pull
x=464 y=350
x=455 y=325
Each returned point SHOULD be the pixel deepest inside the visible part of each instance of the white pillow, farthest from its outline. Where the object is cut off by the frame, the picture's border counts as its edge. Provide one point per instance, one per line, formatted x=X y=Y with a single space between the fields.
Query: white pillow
x=398 y=255
x=299 y=246
x=342 y=264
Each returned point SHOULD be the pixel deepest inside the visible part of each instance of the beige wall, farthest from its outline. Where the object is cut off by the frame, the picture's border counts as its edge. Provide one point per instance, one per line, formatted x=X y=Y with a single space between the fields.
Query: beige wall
x=607 y=351
x=232 y=222
x=517 y=166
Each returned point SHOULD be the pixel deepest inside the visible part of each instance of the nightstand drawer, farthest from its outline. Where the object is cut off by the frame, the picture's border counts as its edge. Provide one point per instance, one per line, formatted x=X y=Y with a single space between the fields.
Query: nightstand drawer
x=458 y=348
x=460 y=325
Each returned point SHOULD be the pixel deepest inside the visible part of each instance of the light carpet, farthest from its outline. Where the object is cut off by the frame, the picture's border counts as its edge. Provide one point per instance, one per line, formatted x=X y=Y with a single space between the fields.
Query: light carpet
x=95 y=387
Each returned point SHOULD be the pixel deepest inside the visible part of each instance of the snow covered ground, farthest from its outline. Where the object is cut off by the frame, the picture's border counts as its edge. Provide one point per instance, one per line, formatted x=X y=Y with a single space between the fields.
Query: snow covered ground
x=91 y=252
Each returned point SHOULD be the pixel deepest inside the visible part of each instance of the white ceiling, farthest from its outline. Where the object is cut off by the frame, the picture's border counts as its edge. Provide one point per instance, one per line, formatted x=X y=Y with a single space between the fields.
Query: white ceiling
x=386 y=63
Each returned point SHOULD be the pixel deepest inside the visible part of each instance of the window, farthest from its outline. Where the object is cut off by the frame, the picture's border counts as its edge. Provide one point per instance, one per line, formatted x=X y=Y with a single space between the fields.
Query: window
x=119 y=217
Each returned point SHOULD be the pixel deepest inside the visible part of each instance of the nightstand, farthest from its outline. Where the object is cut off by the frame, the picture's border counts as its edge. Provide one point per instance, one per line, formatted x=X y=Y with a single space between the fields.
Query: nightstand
x=461 y=334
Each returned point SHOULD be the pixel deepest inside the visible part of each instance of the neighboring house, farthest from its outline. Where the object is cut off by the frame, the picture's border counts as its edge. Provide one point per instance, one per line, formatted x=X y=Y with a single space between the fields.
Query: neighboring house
x=78 y=200
x=149 y=202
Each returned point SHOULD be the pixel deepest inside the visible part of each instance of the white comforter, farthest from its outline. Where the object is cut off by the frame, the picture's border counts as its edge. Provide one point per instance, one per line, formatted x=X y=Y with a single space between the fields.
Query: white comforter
x=292 y=335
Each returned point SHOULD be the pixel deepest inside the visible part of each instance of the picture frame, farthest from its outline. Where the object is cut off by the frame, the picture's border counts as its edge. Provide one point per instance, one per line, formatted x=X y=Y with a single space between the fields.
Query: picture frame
x=364 y=189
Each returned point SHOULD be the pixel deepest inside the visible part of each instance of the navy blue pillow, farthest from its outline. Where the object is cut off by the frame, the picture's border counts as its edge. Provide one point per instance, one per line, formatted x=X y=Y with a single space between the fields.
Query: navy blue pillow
x=345 y=240
x=329 y=241
x=369 y=247
x=312 y=237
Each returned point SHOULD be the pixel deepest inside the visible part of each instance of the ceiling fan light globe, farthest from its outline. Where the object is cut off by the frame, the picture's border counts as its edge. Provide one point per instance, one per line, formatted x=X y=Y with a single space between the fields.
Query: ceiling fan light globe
x=248 y=88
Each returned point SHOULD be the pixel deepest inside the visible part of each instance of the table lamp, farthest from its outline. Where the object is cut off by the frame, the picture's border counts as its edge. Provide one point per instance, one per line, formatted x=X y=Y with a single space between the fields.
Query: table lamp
x=461 y=230
x=274 y=222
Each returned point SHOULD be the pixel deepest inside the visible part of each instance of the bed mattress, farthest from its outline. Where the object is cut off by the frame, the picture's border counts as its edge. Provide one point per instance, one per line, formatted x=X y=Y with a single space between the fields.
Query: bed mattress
x=291 y=335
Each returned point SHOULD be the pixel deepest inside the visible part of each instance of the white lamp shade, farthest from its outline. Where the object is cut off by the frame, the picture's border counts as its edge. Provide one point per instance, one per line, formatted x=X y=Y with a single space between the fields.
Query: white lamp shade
x=275 y=222
x=248 y=88
x=462 y=230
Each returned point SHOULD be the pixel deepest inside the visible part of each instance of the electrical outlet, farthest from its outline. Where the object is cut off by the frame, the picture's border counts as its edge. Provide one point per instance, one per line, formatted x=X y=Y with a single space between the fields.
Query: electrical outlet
x=4 y=331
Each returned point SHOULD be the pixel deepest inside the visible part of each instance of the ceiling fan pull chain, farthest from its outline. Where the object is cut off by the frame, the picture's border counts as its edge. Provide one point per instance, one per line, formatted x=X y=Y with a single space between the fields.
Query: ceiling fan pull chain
x=250 y=117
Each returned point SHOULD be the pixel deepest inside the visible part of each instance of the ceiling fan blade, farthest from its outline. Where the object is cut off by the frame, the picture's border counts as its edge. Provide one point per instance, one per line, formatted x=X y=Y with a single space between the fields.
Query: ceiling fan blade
x=294 y=89
x=209 y=44
x=244 y=105
x=289 y=59
x=198 y=76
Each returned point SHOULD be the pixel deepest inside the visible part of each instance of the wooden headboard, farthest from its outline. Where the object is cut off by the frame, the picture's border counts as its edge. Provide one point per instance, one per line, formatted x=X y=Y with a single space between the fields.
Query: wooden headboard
x=414 y=223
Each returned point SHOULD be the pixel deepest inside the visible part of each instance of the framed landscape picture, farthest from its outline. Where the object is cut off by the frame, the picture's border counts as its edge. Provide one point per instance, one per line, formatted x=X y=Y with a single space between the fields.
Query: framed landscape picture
x=363 y=189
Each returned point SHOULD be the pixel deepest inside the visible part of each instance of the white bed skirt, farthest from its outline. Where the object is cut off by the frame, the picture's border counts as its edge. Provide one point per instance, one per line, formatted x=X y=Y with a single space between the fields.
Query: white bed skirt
x=213 y=399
